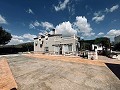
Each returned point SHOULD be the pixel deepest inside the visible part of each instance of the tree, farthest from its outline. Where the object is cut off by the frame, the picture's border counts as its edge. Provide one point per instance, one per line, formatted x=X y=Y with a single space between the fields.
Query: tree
x=5 y=36
x=86 y=44
x=27 y=46
x=117 y=47
x=104 y=41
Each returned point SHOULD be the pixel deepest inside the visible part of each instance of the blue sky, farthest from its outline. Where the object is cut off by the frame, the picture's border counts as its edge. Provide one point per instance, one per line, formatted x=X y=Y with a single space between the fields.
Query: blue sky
x=26 y=19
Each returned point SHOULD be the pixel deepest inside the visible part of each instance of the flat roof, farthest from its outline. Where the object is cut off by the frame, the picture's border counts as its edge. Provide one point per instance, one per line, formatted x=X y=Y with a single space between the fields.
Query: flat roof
x=54 y=35
x=49 y=35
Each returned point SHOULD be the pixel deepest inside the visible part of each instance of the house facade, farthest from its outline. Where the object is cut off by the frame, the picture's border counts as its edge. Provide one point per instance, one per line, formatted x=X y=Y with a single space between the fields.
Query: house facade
x=56 y=44
x=96 y=47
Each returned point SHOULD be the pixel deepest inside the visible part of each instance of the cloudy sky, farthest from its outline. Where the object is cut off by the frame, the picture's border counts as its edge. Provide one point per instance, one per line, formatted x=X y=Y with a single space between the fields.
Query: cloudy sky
x=26 y=19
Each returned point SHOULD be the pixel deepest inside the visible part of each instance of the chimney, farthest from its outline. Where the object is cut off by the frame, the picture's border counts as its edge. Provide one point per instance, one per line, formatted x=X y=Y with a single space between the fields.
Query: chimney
x=53 y=31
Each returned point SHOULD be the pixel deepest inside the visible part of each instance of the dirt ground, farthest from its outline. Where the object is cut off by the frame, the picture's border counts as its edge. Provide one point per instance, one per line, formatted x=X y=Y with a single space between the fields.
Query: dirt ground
x=76 y=59
x=7 y=81
x=61 y=73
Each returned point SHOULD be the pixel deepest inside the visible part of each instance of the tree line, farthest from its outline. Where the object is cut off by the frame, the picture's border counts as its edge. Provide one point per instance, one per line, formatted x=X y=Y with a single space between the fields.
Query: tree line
x=5 y=38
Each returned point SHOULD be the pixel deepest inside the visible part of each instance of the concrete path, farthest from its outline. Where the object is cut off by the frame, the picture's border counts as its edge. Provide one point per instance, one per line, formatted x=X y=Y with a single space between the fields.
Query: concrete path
x=43 y=74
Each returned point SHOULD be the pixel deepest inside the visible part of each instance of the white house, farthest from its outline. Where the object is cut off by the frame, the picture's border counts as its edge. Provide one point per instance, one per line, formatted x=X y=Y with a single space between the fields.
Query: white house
x=56 y=44
x=97 y=47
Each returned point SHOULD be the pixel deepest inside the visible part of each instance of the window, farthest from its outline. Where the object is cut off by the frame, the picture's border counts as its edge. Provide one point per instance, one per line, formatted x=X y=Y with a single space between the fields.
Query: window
x=36 y=43
x=70 y=47
x=95 y=47
x=46 y=49
x=46 y=38
x=42 y=42
x=41 y=45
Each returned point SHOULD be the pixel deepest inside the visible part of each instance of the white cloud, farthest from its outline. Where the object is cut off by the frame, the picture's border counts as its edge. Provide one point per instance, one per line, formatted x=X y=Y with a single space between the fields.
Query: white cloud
x=15 y=41
x=36 y=23
x=30 y=11
x=21 y=39
x=112 y=33
x=83 y=26
x=41 y=33
x=88 y=34
x=65 y=29
x=97 y=17
x=100 y=34
x=2 y=20
x=61 y=6
x=81 y=37
x=29 y=36
x=106 y=10
x=112 y=8
x=71 y=9
x=31 y=26
x=17 y=37
x=47 y=25
x=100 y=15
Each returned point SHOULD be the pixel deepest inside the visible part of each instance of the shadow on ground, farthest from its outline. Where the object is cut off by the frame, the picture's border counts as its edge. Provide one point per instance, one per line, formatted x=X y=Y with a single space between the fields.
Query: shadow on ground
x=115 y=68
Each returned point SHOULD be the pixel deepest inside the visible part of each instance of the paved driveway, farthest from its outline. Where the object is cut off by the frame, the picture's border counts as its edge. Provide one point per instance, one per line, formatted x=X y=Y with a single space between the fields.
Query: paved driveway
x=42 y=74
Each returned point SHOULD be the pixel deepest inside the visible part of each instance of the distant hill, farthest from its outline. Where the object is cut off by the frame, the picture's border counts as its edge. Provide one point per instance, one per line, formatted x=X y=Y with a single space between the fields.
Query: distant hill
x=13 y=49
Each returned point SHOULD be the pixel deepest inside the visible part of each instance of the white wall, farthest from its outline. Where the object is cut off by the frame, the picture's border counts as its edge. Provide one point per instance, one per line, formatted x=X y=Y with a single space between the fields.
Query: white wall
x=98 y=47
x=55 y=40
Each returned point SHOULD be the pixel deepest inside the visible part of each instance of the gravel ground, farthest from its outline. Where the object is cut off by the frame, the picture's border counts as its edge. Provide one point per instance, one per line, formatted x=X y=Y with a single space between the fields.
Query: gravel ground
x=42 y=74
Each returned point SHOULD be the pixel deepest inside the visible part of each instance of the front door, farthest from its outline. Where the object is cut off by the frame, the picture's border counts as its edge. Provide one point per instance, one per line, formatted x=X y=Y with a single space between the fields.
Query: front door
x=60 y=50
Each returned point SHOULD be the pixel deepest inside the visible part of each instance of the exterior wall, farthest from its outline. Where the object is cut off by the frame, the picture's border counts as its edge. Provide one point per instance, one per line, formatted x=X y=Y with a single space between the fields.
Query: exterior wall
x=54 y=43
x=46 y=43
x=97 y=47
x=93 y=55
x=36 y=45
x=68 y=40
x=117 y=39
x=49 y=43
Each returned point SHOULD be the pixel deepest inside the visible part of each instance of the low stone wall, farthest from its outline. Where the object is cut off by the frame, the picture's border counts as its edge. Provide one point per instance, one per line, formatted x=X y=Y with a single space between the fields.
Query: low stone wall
x=92 y=55
x=71 y=53
x=118 y=57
